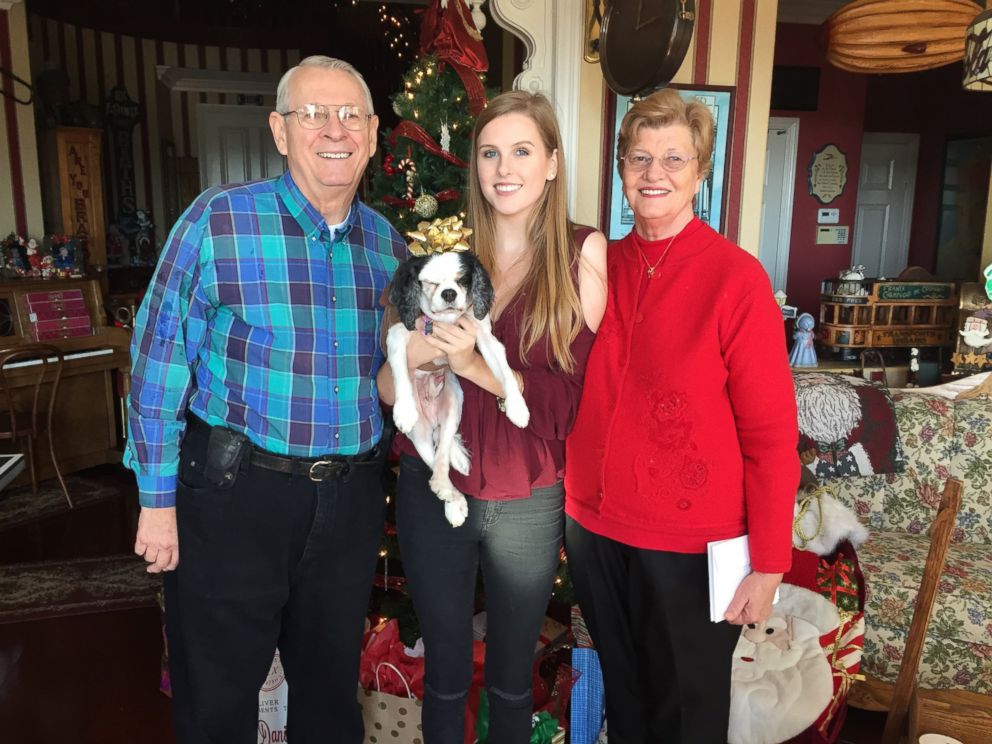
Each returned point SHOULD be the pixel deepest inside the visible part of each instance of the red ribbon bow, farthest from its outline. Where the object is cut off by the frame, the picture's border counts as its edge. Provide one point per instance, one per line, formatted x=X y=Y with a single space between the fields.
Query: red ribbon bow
x=451 y=34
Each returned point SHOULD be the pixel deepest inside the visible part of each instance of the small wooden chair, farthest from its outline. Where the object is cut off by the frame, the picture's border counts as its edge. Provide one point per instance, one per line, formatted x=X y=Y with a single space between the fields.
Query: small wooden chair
x=902 y=721
x=26 y=405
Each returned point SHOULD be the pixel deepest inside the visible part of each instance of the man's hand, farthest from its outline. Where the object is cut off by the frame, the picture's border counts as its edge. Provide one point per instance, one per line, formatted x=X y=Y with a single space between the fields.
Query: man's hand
x=157 y=539
x=752 y=603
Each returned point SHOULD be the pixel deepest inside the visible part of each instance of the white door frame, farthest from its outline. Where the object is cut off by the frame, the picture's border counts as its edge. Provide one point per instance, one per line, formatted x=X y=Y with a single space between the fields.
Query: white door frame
x=790 y=127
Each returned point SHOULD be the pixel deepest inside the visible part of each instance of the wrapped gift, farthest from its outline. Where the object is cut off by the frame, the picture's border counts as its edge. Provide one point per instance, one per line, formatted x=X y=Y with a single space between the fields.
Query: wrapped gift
x=544 y=727
x=837 y=580
x=552 y=633
x=587 y=710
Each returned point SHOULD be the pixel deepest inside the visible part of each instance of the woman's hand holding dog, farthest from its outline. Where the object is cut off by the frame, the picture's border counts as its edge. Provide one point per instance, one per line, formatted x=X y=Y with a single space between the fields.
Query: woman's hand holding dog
x=420 y=353
x=457 y=341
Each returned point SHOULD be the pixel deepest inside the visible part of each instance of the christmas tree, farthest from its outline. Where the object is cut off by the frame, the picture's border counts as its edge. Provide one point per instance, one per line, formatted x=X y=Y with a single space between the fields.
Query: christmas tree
x=425 y=169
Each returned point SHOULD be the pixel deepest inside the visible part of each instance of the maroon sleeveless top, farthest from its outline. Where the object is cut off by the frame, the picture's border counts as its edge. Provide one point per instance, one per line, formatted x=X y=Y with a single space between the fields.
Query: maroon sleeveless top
x=507 y=461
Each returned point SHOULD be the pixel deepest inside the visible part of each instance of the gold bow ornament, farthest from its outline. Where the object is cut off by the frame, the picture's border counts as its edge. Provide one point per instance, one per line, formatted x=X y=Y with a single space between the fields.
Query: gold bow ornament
x=439 y=236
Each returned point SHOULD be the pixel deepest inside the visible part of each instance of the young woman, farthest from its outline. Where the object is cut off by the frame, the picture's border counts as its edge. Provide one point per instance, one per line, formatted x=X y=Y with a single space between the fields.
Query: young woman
x=550 y=283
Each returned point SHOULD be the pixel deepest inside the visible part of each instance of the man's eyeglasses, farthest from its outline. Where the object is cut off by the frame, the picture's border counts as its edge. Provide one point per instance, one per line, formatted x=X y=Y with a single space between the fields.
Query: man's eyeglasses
x=316 y=115
x=673 y=162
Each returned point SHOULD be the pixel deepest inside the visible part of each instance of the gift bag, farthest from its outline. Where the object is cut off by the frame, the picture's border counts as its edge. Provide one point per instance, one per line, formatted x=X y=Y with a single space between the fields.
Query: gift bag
x=383 y=644
x=793 y=672
x=387 y=717
x=588 y=705
x=273 y=704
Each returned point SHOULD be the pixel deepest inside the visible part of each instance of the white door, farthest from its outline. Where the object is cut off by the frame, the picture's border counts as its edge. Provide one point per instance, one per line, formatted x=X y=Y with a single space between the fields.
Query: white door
x=776 y=205
x=884 y=211
x=235 y=145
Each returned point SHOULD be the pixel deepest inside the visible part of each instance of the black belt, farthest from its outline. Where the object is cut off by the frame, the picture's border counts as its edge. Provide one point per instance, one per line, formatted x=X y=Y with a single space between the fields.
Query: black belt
x=317 y=469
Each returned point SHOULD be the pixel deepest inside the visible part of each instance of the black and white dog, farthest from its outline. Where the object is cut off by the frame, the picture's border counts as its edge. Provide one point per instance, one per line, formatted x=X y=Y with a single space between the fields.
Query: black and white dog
x=443 y=287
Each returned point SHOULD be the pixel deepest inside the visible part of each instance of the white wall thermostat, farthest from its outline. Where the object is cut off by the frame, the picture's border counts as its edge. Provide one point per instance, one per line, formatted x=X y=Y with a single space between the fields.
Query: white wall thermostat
x=832 y=235
x=827 y=216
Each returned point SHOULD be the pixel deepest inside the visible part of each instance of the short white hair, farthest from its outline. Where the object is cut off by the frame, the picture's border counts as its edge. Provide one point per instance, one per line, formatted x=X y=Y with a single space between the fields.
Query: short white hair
x=326 y=63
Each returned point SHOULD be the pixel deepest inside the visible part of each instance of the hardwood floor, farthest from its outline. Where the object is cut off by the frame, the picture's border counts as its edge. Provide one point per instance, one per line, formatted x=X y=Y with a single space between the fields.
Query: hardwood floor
x=93 y=679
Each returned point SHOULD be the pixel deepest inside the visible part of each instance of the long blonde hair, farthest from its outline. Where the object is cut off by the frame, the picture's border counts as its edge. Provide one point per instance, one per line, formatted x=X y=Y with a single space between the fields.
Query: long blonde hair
x=552 y=299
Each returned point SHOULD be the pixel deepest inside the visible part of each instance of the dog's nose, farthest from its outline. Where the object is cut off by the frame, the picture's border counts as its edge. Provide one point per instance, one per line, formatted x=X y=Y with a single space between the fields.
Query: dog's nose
x=448 y=295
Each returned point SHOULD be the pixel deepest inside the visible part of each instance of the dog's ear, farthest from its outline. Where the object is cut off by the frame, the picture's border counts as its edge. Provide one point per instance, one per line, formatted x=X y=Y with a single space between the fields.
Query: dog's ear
x=405 y=290
x=482 y=288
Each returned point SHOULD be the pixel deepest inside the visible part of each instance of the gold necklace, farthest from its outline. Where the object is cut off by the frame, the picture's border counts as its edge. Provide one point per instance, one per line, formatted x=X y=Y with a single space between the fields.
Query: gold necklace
x=652 y=267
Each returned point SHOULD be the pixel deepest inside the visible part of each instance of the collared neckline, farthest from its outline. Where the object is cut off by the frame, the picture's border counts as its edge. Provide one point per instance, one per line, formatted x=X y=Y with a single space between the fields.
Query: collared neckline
x=306 y=214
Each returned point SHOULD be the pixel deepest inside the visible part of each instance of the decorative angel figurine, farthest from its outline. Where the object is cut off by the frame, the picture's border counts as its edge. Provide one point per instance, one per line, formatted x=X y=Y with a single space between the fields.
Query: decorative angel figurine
x=803 y=352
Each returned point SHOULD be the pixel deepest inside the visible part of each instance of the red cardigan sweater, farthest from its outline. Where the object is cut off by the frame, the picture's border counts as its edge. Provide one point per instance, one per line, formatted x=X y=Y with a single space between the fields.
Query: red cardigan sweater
x=686 y=431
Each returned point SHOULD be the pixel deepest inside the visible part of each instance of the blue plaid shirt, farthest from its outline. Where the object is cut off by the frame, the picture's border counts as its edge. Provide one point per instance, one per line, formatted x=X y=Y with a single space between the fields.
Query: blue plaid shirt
x=258 y=319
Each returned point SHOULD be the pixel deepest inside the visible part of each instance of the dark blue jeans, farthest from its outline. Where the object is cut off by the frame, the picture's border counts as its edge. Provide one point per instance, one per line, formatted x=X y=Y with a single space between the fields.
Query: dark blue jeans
x=516 y=544
x=270 y=560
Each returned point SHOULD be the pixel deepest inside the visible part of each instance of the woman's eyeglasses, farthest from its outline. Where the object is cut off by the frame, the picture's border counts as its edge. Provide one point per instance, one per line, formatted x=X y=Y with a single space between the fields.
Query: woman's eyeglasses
x=316 y=115
x=673 y=162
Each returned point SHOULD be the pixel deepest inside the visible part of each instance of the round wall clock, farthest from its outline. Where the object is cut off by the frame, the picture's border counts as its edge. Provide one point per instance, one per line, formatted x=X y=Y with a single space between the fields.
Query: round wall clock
x=643 y=42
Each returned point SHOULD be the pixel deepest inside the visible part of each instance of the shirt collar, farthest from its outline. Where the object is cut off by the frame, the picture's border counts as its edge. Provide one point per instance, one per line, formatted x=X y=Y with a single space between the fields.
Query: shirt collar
x=306 y=214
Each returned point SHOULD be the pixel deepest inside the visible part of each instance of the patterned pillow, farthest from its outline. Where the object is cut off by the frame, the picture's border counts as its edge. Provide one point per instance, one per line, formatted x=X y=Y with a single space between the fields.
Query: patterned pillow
x=847 y=426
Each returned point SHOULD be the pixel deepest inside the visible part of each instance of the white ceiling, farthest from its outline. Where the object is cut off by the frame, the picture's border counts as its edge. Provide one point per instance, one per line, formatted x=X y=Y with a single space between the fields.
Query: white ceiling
x=807 y=11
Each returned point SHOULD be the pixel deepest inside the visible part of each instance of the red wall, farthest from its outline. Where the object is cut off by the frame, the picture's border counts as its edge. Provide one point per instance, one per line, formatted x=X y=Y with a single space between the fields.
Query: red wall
x=838 y=120
x=933 y=104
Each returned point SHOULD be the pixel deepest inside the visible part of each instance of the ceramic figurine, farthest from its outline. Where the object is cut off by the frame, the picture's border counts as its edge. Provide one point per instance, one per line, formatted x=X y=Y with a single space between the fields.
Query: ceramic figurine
x=34 y=258
x=144 y=252
x=803 y=352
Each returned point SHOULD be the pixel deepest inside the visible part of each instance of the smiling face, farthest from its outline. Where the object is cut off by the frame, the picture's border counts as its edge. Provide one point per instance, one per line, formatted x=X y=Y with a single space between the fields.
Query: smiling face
x=513 y=164
x=327 y=163
x=661 y=200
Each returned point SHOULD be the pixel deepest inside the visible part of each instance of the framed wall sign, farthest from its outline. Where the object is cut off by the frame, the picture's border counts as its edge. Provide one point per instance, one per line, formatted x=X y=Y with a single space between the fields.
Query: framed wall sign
x=827 y=174
x=616 y=215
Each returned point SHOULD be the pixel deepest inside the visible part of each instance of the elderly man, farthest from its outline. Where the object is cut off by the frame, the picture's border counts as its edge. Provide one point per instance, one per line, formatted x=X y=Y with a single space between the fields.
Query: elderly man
x=255 y=425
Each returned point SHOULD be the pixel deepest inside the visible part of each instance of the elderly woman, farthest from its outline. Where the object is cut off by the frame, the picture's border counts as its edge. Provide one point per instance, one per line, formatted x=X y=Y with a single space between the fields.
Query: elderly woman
x=686 y=434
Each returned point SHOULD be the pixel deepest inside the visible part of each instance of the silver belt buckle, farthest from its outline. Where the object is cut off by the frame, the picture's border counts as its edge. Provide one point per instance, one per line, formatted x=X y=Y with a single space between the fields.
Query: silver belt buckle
x=336 y=469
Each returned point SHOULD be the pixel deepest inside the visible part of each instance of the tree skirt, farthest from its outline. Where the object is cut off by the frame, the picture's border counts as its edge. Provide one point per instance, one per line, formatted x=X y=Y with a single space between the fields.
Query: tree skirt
x=18 y=506
x=35 y=591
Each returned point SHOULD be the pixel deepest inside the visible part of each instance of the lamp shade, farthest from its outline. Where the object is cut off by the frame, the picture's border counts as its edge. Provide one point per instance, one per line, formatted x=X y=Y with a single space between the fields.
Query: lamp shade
x=978 y=53
x=897 y=35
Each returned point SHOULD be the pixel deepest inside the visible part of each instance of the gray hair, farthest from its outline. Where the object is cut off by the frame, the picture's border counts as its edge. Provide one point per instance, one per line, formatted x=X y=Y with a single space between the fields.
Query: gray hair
x=327 y=63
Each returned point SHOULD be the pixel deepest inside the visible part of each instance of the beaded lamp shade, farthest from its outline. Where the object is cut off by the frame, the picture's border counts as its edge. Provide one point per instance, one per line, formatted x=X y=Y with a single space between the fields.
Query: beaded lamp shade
x=897 y=35
x=978 y=53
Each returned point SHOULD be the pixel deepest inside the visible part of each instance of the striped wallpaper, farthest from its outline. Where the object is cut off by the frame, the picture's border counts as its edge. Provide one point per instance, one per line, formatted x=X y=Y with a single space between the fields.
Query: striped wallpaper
x=20 y=189
x=96 y=61
x=733 y=45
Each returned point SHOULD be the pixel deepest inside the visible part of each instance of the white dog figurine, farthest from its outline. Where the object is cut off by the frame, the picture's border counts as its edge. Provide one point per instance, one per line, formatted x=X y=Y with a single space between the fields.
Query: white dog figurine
x=443 y=287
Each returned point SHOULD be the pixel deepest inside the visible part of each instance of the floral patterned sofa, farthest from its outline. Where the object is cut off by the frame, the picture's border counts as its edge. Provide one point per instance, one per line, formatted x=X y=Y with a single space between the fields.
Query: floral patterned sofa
x=940 y=438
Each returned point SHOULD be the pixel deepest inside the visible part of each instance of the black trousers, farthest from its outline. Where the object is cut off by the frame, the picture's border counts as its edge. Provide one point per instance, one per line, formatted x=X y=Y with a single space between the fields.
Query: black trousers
x=517 y=545
x=666 y=667
x=270 y=560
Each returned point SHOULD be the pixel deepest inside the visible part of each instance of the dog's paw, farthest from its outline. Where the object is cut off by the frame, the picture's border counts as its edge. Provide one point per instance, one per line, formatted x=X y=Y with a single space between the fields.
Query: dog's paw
x=517 y=411
x=405 y=414
x=456 y=511
x=441 y=485
x=461 y=461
